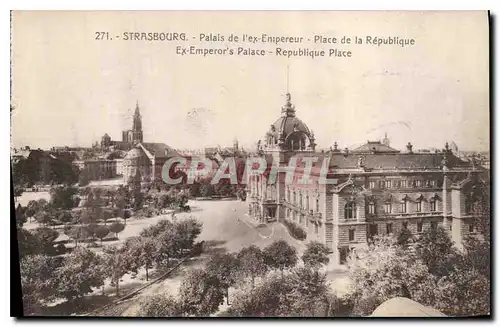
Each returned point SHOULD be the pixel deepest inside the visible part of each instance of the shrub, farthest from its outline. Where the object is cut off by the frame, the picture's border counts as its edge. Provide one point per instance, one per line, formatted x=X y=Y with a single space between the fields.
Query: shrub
x=295 y=230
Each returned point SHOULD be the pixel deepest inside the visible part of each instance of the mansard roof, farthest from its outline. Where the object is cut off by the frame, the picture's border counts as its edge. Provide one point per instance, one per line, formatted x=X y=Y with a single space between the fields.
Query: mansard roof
x=374 y=147
x=395 y=161
x=160 y=150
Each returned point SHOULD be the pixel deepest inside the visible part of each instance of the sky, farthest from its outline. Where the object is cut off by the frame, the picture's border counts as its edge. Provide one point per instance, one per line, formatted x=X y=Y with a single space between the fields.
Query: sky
x=70 y=89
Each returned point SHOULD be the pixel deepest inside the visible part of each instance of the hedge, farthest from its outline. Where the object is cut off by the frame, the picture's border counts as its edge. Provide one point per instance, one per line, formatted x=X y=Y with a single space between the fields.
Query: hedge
x=295 y=230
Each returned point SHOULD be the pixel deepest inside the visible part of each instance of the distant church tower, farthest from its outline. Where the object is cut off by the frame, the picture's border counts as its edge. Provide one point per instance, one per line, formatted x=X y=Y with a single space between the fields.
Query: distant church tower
x=386 y=141
x=134 y=135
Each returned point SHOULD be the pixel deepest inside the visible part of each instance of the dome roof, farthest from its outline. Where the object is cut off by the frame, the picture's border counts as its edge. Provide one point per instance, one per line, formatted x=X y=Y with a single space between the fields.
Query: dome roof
x=289 y=124
x=134 y=155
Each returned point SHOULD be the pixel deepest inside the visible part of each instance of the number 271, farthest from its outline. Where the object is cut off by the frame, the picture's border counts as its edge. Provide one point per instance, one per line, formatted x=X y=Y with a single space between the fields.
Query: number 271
x=101 y=35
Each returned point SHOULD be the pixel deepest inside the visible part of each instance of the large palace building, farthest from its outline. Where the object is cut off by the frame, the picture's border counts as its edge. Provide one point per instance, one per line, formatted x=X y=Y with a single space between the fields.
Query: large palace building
x=378 y=190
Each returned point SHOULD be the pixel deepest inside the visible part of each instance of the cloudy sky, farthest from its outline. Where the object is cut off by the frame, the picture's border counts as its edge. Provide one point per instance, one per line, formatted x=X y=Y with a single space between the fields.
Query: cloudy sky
x=69 y=89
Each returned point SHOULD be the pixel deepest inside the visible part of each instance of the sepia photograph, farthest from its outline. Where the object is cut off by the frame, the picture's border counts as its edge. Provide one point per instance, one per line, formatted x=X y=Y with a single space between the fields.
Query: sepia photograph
x=239 y=164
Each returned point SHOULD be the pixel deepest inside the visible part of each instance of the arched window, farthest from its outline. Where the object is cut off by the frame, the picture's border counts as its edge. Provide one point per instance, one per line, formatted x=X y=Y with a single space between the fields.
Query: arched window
x=350 y=210
x=288 y=195
x=294 y=198
x=307 y=202
x=301 y=204
x=317 y=205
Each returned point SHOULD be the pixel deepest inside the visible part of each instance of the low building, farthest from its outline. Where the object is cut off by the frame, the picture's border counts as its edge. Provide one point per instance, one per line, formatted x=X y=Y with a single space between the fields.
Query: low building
x=97 y=169
x=147 y=160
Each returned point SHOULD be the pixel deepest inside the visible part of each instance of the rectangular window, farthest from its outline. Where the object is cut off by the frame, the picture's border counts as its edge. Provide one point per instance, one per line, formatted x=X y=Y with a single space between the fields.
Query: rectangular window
x=419 y=227
x=316 y=229
x=351 y=235
x=471 y=228
x=388 y=184
x=389 y=228
x=405 y=225
x=403 y=207
x=433 y=183
x=419 y=206
x=433 y=205
x=371 y=208
x=373 y=229
x=372 y=184
x=433 y=225
x=404 y=184
x=388 y=208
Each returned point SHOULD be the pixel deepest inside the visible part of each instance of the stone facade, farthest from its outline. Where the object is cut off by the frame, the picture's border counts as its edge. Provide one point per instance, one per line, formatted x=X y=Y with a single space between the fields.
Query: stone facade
x=379 y=190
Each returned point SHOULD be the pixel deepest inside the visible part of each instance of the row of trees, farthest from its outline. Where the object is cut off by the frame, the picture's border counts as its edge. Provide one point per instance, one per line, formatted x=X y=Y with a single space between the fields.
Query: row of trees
x=268 y=283
x=47 y=278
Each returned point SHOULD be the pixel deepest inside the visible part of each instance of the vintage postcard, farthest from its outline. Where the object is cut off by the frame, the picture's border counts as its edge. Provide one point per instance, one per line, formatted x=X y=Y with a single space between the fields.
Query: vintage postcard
x=251 y=163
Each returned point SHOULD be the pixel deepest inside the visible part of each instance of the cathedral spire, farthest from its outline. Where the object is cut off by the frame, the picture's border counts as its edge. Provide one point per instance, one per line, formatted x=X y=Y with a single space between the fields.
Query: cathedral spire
x=137 y=112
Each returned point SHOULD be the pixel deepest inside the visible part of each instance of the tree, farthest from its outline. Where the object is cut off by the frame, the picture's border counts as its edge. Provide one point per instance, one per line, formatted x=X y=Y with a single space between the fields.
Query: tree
x=201 y=294
x=478 y=255
x=120 y=203
x=280 y=255
x=65 y=217
x=225 y=267
x=116 y=228
x=38 y=284
x=315 y=255
x=147 y=254
x=20 y=216
x=436 y=250
x=168 y=245
x=84 y=178
x=46 y=237
x=115 y=264
x=269 y=299
x=310 y=291
x=187 y=230
x=386 y=270
x=157 y=229
x=159 y=305
x=18 y=191
x=80 y=272
x=28 y=243
x=31 y=208
x=252 y=262
x=464 y=292
x=404 y=237
x=136 y=191
x=101 y=232
x=63 y=197
x=43 y=218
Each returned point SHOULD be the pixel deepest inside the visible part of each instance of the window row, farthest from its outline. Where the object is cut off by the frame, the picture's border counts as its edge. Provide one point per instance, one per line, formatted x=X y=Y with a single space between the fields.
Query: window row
x=387 y=208
x=398 y=183
x=350 y=209
x=374 y=228
x=298 y=200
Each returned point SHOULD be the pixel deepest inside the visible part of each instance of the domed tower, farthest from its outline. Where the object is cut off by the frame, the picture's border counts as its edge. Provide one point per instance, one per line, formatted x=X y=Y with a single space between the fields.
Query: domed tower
x=136 y=162
x=289 y=133
x=105 y=141
x=287 y=136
